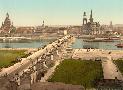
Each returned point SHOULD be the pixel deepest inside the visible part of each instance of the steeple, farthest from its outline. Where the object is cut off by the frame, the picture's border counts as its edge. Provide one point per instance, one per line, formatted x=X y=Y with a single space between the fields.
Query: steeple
x=43 y=21
x=91 y=17
x=111 y=25
x=91 y=13
x=84 y=18
x=7 y=15
x=43 y=24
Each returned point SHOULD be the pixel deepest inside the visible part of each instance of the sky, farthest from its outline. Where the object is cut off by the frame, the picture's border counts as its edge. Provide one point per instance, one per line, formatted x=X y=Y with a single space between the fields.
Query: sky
x=60 y=12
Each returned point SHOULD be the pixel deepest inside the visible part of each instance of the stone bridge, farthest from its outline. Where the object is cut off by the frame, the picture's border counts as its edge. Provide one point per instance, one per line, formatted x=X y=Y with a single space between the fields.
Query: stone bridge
x=23 y=74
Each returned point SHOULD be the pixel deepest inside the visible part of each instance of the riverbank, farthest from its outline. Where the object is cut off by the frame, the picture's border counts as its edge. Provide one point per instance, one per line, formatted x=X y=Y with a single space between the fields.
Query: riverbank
x=87 y=54
x=10 y=57
x=18 y=49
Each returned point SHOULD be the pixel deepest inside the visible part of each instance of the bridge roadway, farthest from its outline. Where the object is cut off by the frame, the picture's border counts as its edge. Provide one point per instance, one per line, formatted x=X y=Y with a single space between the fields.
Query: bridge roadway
x=27 y=62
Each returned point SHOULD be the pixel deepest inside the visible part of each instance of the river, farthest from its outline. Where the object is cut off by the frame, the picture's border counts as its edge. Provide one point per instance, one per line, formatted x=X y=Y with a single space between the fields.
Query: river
x=79 y=43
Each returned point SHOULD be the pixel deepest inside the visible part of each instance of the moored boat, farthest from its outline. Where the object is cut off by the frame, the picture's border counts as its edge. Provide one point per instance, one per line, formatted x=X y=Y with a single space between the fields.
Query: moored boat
x=119 y=45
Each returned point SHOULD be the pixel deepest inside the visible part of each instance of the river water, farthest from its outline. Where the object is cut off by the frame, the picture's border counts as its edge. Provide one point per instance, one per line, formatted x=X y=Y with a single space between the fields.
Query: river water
x=26 y=43
x=79 y=43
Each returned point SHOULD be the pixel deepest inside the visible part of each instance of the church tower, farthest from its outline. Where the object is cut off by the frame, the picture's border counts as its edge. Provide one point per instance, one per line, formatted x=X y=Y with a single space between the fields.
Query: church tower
x=91 y=17
x=84 y=18
x=43 y=24
x=111 y=25
x=7 y=23
x=7 y=15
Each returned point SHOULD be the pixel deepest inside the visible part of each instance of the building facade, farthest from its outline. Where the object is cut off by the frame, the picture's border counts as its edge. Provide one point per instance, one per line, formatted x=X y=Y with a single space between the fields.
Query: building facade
x=90 y=27
x=7 y=26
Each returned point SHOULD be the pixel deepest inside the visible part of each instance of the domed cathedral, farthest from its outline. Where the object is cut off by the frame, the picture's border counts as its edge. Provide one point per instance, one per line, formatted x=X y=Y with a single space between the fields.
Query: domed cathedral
x=90 y=27
x=7 y=26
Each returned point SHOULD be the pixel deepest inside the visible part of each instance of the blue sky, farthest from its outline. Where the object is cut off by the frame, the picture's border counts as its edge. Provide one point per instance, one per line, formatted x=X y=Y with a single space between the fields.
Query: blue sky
x=60 y=12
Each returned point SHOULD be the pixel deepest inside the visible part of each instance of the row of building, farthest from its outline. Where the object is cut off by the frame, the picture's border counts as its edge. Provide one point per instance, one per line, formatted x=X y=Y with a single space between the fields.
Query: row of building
x=8 y=29
x=89 y=27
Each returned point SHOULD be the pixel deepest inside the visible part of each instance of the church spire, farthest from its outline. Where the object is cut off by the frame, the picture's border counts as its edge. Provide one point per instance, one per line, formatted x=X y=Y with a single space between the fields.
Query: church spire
x=43 y=24
x=91 y=13
x=43 y=21
x=7 y=15
x=91 y=16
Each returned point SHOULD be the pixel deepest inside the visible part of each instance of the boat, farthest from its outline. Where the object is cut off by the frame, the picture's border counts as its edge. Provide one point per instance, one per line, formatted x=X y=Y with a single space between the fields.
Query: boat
x=98 y=40
x=112 y=39
x=91 y=40
x=102 y=40
x=119 y=45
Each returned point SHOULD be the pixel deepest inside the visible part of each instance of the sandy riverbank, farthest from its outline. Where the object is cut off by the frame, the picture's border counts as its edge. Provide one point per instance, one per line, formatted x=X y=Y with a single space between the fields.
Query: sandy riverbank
x=18 y=48
x=92 y=53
